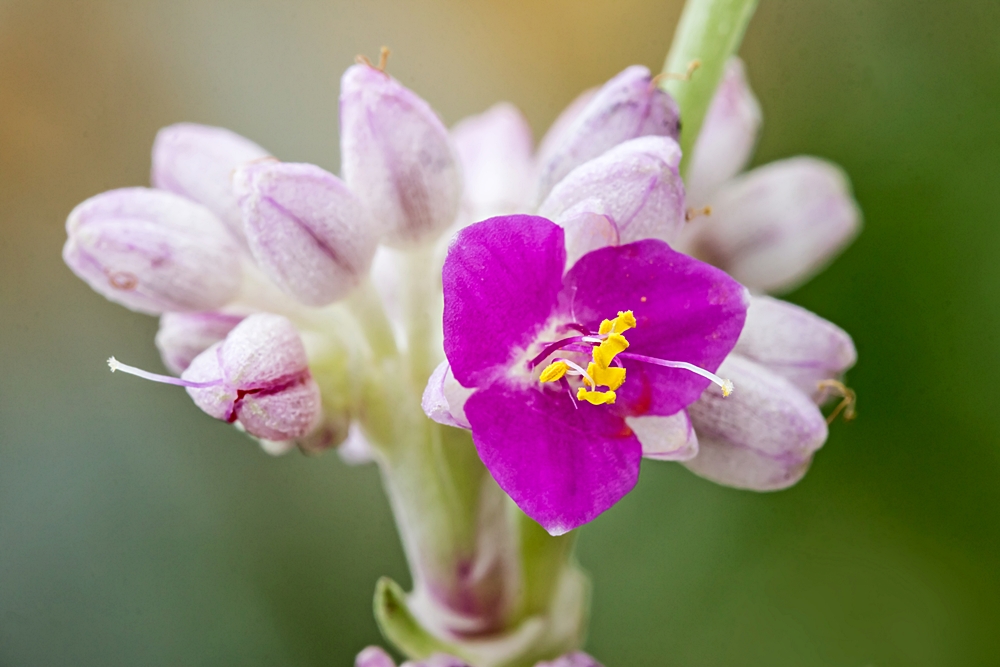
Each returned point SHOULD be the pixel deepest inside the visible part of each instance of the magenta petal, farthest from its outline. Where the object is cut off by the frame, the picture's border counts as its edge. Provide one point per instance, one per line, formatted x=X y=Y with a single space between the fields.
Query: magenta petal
x=685 y=310
x=501 y=282
x=562 y=465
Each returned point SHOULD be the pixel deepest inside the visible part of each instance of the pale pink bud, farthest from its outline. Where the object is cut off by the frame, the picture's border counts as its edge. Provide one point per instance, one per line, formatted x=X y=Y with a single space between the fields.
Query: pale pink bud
x=728 y=135
x=636 y=185
x=152 y=251
x=397 y=157
x=556 y=134
x=259 y=377
x=306 y=230
x=197 y=162
x=796 y=344
x=374 y=656
x=775 y=226
x=495 y=150
x=762 y=437
x=628 y=106
x=183 y=336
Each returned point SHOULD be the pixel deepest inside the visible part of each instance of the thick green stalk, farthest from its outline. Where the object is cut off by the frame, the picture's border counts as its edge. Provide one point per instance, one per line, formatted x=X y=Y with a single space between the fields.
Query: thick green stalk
x=710 y=31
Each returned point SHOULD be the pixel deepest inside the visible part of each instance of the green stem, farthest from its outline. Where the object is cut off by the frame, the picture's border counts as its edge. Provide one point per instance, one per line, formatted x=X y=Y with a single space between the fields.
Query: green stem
x=710 y=31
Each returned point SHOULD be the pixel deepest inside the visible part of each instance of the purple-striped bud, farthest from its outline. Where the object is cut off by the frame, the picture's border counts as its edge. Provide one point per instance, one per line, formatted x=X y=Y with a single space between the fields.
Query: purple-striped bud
x=796 y=344
x=762 y=437
x=397 y=157
x=628 y=106
x=183 y=336
x=773 y=227
x=307 y=231
x=197 y=162
x=728 y=135
x=152 y=251
x=258 y=376
x=636 y=185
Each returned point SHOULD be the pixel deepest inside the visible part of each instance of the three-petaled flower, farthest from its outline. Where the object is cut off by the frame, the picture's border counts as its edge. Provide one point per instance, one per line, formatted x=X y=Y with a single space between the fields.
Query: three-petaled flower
x=521 y=332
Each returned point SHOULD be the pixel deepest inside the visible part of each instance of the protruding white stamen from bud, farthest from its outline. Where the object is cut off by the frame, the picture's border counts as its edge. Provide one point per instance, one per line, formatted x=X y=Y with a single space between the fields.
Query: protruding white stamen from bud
x=116 y=365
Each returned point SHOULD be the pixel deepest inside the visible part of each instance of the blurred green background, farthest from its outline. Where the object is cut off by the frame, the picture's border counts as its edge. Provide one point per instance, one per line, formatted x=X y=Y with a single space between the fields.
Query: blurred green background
x=135 y=530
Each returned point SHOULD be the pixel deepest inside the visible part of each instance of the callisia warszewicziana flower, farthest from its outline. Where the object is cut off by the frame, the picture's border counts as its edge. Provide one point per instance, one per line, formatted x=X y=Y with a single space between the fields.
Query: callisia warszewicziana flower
x=562 y=362
x=777 y=233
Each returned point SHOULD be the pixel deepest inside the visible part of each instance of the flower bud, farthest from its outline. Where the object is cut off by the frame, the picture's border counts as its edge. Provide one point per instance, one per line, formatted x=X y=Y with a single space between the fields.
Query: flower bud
x=727 y=137
x=152 y=251
x=257 y=376
x=197 y=162
x=305 y=229
x=183 y=336
x=762 y=437
x=636 y=184
x=374 y=656
x=775 y=226
x=396 y=156
x=796 y=344
x=556 y=133
x=495 y=150
x=628 y=106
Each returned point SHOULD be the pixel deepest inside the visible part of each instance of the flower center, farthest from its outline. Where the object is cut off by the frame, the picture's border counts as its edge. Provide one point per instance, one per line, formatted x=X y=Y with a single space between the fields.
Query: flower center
x=605 y=373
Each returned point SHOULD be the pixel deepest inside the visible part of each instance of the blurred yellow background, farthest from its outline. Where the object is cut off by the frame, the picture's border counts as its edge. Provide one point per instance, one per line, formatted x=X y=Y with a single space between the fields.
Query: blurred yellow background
x=135 y=530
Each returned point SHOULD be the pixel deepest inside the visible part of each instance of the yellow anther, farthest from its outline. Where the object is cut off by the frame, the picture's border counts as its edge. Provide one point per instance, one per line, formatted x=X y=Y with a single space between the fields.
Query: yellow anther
x=609 y=349
x=595 y=397
x=553 y=371
x=624 y=321
x=612 y=377
x=621 y=324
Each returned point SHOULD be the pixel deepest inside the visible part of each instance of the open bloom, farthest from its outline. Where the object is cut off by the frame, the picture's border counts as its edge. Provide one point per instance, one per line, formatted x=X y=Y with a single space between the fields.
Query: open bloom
x=560 y=361
x=770 y=228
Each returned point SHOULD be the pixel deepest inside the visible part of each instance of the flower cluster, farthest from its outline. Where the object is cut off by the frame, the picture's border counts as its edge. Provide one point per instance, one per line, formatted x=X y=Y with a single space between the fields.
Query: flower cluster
x=576 y=308
x=770 y=228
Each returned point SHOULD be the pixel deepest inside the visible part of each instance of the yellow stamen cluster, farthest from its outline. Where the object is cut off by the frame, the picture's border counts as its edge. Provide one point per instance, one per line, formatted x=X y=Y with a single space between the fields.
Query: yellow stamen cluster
x=600 y=372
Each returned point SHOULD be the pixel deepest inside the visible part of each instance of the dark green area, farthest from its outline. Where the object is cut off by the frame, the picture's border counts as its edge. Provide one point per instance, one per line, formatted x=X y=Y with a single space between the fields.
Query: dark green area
x=134 y=530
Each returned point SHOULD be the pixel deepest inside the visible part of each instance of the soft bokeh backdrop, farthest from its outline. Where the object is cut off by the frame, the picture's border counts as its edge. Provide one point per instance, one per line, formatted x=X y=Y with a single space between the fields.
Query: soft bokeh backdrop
x=135 y=530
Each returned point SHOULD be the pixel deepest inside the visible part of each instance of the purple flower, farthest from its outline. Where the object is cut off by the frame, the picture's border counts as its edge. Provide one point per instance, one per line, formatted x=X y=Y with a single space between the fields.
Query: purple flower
x=559 y=361
x=775 y=226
